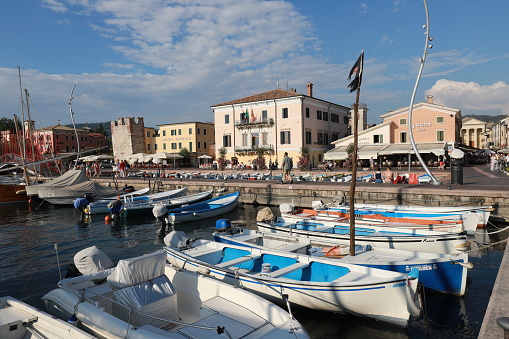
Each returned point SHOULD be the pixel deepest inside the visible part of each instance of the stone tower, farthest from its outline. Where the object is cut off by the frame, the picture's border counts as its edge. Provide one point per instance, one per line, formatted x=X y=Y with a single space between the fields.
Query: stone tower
x=127 y=136
x=363 y=117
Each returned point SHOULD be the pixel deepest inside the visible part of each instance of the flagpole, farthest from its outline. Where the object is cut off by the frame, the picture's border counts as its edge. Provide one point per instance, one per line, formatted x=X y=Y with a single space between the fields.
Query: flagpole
x=354 y=171
x=355 y=85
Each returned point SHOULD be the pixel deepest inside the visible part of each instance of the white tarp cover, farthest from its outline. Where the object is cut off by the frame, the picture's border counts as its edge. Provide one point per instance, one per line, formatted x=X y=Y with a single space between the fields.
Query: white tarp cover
x=176 y=239
x=77 y=190
x=92 y=260
x=69 y=178
x=140 y=283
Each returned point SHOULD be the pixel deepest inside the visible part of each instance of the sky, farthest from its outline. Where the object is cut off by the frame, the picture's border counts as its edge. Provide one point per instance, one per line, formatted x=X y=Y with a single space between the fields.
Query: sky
x=168 y=61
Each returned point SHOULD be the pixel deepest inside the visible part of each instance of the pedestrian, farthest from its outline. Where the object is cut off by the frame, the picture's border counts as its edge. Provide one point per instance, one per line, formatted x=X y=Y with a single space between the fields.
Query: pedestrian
x=388 y=175
x=378 y=176
x=97 y=168
x=493 y=162
x=287 y=166
x=372 y=164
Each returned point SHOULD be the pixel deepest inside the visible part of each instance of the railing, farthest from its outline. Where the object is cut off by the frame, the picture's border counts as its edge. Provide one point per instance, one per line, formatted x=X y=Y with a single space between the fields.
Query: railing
x=248 y=123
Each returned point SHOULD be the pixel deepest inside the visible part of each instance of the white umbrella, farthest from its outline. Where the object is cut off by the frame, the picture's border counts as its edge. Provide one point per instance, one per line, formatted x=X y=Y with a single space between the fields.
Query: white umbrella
x=457 y=153
x=204 y=157
x=164 y=155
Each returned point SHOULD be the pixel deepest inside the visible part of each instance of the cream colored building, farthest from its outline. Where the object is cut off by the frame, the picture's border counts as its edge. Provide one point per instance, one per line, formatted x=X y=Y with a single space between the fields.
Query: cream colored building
x=194 y=136
x=278 y=121
x=474 y=133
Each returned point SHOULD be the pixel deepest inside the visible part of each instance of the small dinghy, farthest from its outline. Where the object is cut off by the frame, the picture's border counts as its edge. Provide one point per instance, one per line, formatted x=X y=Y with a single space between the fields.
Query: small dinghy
x=205 y=209
x=446 y=273
x=22 y=321
x=301 y=279
x=143 y=297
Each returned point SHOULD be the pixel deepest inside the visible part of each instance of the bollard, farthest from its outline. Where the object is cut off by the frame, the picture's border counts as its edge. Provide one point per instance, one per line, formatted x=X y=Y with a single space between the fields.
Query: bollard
x=504 y=323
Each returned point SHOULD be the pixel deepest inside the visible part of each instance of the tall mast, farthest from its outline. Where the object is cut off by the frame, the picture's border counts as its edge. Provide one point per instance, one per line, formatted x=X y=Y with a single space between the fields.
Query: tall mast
x=73 y=124
x=23 y=143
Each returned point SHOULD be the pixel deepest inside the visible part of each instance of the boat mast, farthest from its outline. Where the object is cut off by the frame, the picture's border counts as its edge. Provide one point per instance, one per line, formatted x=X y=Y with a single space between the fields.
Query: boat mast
x=23 y=141
x=73 y=124
x=410 y=133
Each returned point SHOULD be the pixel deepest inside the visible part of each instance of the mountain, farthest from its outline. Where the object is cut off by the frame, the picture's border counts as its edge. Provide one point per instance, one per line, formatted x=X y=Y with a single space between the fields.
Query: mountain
x=486 y=118
x=97 y=127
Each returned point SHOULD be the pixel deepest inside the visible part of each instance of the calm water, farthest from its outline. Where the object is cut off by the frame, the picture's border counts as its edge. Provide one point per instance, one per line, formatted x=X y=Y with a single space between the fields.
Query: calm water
x=28 y=268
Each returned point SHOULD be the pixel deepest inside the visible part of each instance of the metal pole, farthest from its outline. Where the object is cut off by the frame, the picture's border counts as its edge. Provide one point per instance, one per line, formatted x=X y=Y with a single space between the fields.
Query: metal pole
x=73 y=124
x=410 y=133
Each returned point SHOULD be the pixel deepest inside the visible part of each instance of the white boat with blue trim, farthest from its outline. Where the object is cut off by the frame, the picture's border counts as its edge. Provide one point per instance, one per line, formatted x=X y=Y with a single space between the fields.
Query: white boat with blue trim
x=303 y=280
x=379 y=236
x=446 y=273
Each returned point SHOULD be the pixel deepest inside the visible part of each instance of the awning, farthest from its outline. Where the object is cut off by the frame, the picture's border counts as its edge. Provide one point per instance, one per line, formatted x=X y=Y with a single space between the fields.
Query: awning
x=432 y=147
x=370 y=151
x=338 y=153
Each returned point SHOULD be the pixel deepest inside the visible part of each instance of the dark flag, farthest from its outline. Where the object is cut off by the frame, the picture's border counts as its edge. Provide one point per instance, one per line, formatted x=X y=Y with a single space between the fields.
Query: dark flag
x=357 y=69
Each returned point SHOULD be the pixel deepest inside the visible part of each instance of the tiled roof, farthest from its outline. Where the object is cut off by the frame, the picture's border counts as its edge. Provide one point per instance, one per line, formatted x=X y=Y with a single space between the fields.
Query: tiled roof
x=274 y=94
x=60 y=127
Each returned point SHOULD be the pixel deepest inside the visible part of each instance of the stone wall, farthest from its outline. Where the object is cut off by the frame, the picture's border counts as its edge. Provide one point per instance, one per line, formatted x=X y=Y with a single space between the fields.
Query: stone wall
x=127 y=135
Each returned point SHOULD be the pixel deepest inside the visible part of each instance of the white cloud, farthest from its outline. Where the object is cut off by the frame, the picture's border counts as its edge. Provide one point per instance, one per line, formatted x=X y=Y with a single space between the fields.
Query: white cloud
x=54 y=5
x=471 y=97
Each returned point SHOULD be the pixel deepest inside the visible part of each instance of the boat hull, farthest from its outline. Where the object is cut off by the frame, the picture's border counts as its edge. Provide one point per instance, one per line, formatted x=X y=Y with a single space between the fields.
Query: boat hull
x=389 y=300
x=8 y=194
x=437 y=243
x=204 y=209
x=438 y=272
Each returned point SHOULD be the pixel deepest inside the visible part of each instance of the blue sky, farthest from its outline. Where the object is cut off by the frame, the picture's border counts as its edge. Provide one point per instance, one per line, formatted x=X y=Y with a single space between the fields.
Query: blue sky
x=169 y=61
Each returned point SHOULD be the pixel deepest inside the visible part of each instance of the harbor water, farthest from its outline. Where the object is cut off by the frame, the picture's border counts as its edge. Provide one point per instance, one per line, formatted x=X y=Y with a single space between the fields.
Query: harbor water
x=29 y=267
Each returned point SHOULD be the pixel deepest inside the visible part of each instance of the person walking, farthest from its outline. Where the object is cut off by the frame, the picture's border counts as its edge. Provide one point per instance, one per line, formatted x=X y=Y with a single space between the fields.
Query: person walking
x=287 y=166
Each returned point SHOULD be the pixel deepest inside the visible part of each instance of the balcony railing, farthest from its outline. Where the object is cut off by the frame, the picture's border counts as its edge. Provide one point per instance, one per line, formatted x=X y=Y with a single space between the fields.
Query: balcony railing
x=254 y=148
x=250 y=123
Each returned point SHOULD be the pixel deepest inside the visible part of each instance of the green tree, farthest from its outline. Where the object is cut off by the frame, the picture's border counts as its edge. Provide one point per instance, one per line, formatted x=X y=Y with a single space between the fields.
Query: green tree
x=7 y=124
x=221 y=161
x=186 y=154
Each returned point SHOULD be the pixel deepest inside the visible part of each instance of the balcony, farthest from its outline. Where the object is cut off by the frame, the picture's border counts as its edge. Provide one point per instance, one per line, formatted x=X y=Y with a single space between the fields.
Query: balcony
x=254 y=148
x=254 y=123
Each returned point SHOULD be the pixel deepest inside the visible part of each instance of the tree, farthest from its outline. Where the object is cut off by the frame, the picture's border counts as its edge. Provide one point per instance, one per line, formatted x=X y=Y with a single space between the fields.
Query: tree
x=186 y=154
x=349 y=161
x=8 y=124
x=303 y=162
x=221 y=161
x=259 y=162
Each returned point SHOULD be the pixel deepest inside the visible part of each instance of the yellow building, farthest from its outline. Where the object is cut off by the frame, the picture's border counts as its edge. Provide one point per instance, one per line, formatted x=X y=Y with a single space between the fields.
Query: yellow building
x=194 y=136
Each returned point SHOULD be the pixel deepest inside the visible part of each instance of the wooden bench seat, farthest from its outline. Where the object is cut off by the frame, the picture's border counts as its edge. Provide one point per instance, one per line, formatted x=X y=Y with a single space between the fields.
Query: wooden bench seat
x=286 y=270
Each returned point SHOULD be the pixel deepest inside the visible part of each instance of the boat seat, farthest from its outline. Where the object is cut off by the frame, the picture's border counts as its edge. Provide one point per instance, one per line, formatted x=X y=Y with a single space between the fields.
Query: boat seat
x=293 y=247
x=286 y=270
x=237 y=261
x=246 y=237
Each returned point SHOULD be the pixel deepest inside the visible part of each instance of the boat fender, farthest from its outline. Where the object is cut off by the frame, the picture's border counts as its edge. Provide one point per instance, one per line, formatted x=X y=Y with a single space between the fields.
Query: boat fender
x=73 y=320
x=115 y=206
x=223 y=225
x=79 y=203
x=160 y=211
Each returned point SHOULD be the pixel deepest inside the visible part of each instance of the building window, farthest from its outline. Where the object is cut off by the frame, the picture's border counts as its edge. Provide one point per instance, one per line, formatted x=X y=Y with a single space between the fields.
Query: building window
x=190 y=131
x=402 y=121
x=307 y=112
x=334 y=117
x=345 y=120
x=440 y=120
x=325 y=116
x=204 y=131
x=164 y=133
x=402 y=137
x=180 y=145
x=190 y=146
x=205 y=144
x=320 y=138
x=285 y=137
x=265 y=138
x=173 y=145
x=226 y=118
x=148 y=134
x=378 y=139
x=227 y=140
x=197 y=131
x=164 y=145
x=319 y=115
x=148 y=147
x=244 y=139
x=155 y=147
x=308 y=138
x=180 y=131
x=264 y=116
x=285 y=113
x=334 y=136
x=440 y=135
x=198 y=144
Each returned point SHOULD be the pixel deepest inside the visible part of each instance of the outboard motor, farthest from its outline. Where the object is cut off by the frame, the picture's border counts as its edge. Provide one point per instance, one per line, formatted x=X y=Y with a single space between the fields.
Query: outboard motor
x=89 y=197
x=224 y=226
x=80 y=204
x=116 y=207
x=128 y=189
x=160 y=211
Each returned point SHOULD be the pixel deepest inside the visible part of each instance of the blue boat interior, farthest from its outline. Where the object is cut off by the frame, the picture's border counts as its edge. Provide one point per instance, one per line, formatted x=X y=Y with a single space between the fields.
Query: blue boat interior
x=280 y=266
x=343 y=230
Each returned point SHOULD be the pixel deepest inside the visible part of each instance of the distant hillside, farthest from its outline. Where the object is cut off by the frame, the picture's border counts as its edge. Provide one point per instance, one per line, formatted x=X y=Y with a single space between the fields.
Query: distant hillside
x=486 y=118
x=95 y=127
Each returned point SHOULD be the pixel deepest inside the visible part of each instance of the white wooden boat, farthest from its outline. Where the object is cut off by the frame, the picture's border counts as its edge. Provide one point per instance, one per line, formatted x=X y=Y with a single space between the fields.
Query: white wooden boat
x=19 y=320
x=482 y=212
x=307 y=281
x=470 y=219
x=101 y=206
x=343 y=218
x=446 y=273
x=205 y=209
x=143 y=298
x=69 y=178
x=380 y=236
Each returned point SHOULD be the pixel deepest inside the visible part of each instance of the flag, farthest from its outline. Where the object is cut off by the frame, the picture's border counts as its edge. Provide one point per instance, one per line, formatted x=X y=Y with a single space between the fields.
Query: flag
x=252 y=116
x=357 y=69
